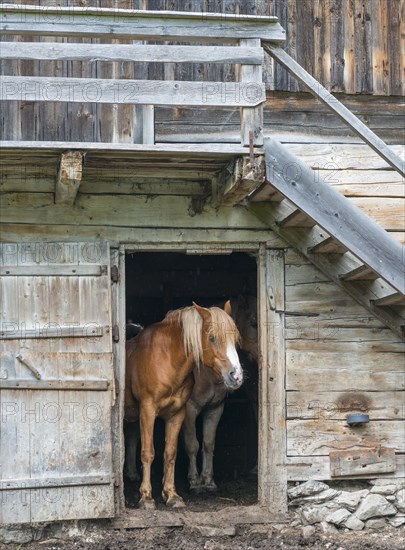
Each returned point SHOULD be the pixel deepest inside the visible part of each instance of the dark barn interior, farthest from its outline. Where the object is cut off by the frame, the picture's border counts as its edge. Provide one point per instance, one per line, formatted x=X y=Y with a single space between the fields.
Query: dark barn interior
x=157 y=282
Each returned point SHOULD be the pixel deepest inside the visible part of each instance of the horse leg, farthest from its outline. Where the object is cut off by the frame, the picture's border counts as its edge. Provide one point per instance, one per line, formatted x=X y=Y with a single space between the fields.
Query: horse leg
x=147 y=421
x=132 y=434
x=172 y=430
x=191 y=444
x=210 y=424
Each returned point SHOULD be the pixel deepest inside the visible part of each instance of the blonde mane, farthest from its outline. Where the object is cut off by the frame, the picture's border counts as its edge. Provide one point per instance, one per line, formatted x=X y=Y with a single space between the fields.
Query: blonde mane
x=222 y=326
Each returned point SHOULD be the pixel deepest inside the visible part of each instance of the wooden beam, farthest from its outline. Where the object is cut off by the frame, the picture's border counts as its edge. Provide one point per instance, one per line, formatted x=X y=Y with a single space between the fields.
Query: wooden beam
x=303 y=238
x=361 y=273
x=69 y=177
x=53 y=51
x=134 y=92
x=251 y=123
x=243 y=179
x=214 y=150
x=335 y=214
x=395 y=299
x=136 y=24
x=55 y=385
x=328 y=246
x=321 y=93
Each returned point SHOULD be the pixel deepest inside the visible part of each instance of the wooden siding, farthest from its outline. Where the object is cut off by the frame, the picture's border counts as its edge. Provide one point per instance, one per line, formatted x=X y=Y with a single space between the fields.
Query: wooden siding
x=339 y=360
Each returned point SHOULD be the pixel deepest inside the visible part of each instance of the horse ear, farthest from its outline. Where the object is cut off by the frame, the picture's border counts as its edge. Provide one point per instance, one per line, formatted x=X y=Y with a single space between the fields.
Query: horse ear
x=228 y=307
x=203 y=311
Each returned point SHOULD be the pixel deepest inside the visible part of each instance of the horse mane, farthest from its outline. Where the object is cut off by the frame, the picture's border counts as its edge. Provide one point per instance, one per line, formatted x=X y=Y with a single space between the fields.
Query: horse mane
x=222 y=326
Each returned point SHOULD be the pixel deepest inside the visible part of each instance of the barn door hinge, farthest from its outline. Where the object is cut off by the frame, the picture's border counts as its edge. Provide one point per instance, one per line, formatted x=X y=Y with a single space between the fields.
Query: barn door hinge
x=115 y=333
x=115 y=274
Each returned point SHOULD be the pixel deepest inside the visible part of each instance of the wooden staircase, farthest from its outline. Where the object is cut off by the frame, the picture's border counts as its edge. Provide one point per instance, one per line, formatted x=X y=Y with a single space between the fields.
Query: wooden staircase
x=336 y=236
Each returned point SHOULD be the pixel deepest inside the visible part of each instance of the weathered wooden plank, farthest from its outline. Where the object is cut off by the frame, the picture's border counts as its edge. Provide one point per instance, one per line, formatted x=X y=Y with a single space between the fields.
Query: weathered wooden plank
x=63 y=481
x=391 y=300
x=59 y=385
x=272 y=443
x=136 y=24
x=313 y=437
x=155 y=238
x=10 y=331
x=251 y=118
x=185 y=149
x=69 y=177
x=336 y=405
x=243 y=180
x=334 y=213
x=318 y=467
x=136 y=53
x=377 y=144
x=331 y=371
x=163 y=211
x=362 y=462
x=136 y=92
x=52 y=270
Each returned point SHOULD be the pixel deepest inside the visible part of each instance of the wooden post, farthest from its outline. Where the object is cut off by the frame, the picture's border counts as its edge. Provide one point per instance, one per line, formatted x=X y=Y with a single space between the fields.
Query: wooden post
x=251 y=117
x=69 y=177
x=272 y=401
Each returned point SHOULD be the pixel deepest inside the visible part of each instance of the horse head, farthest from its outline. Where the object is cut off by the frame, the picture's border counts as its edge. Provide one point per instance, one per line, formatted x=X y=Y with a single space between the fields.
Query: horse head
x=243 y=311
x=219 y=337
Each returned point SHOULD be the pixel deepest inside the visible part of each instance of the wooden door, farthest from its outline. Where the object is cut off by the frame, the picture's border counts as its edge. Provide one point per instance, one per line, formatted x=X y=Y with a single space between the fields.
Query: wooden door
x=56 y=381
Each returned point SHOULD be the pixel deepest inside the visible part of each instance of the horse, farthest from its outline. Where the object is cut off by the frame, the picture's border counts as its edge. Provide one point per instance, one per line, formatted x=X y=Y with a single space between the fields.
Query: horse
x=160 y=363
x=208 y=398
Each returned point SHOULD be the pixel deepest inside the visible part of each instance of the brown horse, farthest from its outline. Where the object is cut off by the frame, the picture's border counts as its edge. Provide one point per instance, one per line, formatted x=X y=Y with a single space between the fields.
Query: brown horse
x=159 y=380
x=208 y=398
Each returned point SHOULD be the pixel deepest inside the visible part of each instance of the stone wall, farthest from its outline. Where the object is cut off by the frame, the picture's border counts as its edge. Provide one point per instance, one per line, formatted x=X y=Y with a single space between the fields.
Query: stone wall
x=354 y=505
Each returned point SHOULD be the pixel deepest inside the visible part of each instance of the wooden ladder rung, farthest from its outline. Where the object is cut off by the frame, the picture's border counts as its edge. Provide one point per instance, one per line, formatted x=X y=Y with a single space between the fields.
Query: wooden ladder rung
x=328 y=246
x=361 y=273
x=395 y=299
x=296 y=219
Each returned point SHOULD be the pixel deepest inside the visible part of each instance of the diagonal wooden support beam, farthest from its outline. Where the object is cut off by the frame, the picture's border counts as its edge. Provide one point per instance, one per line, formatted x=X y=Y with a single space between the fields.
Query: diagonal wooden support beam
x=321 y=93
x=69 y=177
x=239 y=180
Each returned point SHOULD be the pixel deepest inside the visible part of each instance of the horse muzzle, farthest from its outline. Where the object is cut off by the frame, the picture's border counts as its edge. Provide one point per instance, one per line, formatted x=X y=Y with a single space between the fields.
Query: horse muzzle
x=234 y=379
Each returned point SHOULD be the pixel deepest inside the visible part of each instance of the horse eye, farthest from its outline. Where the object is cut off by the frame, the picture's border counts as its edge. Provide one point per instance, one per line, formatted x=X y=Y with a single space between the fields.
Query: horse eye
x=212 y=338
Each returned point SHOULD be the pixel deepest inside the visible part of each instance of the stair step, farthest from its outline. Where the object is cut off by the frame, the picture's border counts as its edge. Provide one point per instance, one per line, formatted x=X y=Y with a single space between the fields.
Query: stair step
x=361 y=273
x=395 y=299
x=267 y=193
x=328 y=246
x=296 y=219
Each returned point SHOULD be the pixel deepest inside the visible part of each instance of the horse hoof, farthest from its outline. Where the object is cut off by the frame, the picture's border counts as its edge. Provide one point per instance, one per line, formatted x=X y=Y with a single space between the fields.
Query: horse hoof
x=175 y=502
x=147 y=504
x=196 y=490
x=211 y=489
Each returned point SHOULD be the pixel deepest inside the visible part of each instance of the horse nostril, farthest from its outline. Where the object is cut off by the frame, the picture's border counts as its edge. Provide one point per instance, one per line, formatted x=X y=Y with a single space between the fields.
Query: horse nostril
x=233 y=374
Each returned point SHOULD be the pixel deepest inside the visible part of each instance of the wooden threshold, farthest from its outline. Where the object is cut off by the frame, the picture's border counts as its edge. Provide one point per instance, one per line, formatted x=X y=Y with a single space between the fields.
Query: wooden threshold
x=231 y=515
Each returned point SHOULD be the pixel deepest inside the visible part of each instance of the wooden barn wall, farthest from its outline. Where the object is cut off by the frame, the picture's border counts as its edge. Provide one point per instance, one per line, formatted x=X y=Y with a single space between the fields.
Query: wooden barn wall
x=339 y=360
x=350 y=46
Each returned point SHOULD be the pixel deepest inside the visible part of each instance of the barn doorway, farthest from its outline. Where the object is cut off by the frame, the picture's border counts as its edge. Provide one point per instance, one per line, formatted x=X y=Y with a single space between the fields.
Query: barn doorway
x=157 y=282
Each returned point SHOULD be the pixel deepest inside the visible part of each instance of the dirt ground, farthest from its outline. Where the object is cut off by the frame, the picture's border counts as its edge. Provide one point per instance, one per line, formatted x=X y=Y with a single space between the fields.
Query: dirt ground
x=246 y=538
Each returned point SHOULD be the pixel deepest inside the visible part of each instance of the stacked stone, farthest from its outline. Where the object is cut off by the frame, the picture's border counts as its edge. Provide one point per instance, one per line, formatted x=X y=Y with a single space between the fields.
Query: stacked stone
x=376 y=507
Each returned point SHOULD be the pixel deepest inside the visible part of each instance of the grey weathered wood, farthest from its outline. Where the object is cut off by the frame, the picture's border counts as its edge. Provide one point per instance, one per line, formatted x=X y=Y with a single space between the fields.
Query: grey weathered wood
x=128 y=52
x=243 y=179
x=272 y=410
x=360 y=273
x=53 y=270
x=367 y=135
x=58 y=385
x=252 y=117
x=134 y=92
x=318 y=467
x=328 y=246
x=69 y=177
x=71 y=402
x=362 y=462
x=136 y=24
x=10 y=332
x=335 y=214
x=296 y=219
x=303 y=238
x=394 y=299
x=63 y=481
x=220 y=150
